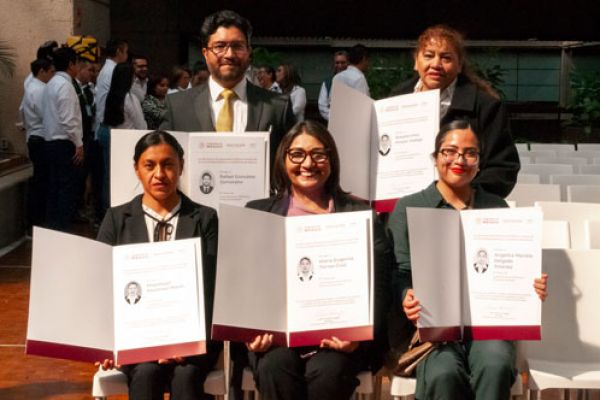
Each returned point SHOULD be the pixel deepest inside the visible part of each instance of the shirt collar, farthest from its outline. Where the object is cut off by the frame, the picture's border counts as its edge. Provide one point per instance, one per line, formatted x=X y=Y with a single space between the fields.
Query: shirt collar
x=215 y=89
x=444 y=95
x=156 y=215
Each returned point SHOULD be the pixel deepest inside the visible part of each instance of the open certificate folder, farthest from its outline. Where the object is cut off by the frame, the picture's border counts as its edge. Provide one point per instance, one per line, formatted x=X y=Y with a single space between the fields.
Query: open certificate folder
x=133 y=303
x=477 y=283
x=385 y=146
x=220 y=167
x=301 y=279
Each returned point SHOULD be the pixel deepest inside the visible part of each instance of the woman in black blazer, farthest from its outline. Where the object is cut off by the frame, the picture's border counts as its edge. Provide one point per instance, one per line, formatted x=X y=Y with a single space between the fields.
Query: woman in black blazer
x=306 y=179
x=163 y=213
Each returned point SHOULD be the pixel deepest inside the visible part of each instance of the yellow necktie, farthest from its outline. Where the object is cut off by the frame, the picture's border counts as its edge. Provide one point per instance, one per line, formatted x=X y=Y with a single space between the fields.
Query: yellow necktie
x=225 y=118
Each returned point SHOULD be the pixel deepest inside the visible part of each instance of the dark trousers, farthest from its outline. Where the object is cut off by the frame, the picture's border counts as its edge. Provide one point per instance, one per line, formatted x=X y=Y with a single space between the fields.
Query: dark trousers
x=103 y=139
x=282 y=374
x=481 y=369
x=92 y=167
x=62 y=184
x=36 y=202
x=148 y=381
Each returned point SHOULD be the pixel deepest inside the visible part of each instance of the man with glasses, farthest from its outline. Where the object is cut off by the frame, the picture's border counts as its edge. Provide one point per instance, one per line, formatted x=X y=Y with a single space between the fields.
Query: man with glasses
x=228 y=102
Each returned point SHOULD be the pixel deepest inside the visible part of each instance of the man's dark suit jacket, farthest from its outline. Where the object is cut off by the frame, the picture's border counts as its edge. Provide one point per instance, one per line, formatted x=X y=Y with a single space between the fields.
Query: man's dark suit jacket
x=125 y=224
x=371 y=353
x=190 y=111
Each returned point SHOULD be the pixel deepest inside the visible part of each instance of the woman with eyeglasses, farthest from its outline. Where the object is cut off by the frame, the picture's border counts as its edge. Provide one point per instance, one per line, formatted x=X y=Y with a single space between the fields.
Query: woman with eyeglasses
x=482 y=369
x=163 y=213
x=441 y=63
x=306 y=178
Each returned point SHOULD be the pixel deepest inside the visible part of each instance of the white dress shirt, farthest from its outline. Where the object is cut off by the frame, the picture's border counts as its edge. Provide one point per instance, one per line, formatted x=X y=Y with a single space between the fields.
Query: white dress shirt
x=102 y=87
x=445 y=96
x=32 y=108
x=324 y=101
x=61 y=112
x=298 y=98
x=138 y=88
x=151 y=221
x=240 y=103
x=354 y=78
x=132 y=111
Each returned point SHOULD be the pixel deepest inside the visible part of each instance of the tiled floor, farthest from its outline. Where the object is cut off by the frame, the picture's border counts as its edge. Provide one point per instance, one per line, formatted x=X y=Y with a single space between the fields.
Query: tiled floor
x=24 y=377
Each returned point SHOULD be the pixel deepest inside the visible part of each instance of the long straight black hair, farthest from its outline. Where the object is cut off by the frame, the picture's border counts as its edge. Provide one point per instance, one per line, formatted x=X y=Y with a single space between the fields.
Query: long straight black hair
x=122 y=79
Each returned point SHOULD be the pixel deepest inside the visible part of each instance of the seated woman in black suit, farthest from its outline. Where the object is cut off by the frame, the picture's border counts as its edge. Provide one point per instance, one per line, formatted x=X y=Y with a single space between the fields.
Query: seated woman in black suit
x=306 y=178
x=163 y=213
x=478 y=369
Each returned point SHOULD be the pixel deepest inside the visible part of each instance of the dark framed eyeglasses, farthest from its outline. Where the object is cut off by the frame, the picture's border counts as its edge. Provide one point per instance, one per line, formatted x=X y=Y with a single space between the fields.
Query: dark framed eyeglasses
x=470 y=156
x=220 y=48
x=297 y=156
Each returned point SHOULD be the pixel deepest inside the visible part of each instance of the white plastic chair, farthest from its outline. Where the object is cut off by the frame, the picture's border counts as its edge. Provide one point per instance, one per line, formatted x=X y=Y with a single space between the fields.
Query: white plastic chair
x=583 y=193
x=363 y=391
x=576 y=162
x=568 y=356
x=541 y=153
x=588 y=147
x=524 y=159
x=522 y=147
x=525 y=194
x=589 y=154
x=528 y=178
x=545 y=170
x=570 y=179
x=575 y=214
x=589 y=169
x=596 y=161
x=592 y=234
x=114 y=382
x=558 y=147
x=404 y=388
x=556 y=235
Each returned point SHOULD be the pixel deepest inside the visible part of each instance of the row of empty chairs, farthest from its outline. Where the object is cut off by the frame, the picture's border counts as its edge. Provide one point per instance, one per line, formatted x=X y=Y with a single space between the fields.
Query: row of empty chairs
x=558 y=147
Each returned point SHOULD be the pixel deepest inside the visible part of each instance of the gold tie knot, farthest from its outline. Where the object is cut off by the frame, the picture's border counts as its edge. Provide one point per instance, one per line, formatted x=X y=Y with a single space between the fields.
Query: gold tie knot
x=225 y=118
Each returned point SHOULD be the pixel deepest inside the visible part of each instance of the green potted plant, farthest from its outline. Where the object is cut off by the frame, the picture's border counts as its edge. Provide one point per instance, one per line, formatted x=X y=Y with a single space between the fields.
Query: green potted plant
x=585 y=104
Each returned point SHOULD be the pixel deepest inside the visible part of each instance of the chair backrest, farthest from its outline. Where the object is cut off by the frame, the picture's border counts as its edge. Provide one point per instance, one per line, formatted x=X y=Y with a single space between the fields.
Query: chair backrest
x=575 y=161
x=541 y=153
x=522 y=147
x=575 y=214
x=589 y=154
x=592 y=234
x=589 y=169
x=570 y=323
x=583 y=193
x=556 y=235
x=596 y=161
x=545 y=170
x=528 y=178
x=526 y=194
x=525 y=159
x=511 y=203
x=558 y=147
x=588 y=147
x=570 y=179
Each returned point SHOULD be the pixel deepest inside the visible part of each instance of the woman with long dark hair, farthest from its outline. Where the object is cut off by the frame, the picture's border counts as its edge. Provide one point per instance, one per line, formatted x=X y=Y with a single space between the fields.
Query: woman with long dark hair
x=123 y=109
x=154 y=106
x=289 y=81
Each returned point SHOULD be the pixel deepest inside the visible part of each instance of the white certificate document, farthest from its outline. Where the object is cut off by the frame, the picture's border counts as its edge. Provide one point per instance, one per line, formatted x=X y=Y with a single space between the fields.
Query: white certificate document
x=480 y=284
x=228 y=168
x=301 y=279
x=156 y=294
x=406 y=128
x=326 y=272
x=130 y=303
x=385 y=145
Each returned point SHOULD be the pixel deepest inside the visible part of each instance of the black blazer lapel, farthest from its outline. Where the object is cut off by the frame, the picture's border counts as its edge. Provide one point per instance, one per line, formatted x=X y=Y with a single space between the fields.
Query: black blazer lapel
x=187 y=221
x=255 y=109
x=203 y=110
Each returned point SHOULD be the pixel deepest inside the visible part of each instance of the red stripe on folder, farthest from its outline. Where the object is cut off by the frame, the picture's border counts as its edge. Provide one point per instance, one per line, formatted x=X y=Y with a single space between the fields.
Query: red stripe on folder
x=525 y=332
x=440 y=334
x=134 y=356
x=66 y=351
x=312 y=338
x=239 y=334
x=384 y=205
